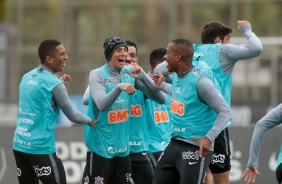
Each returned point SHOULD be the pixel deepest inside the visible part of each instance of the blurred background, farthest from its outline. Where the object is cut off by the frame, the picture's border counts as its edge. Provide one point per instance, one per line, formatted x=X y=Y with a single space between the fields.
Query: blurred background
x=83 y=25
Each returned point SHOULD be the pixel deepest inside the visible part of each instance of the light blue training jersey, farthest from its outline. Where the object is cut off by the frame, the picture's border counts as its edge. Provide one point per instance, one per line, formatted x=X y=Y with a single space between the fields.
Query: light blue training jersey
x=279 y=159
x=37 y=117
x=190 y=117
x=111 y=138
x=138 y=134
x=158 y=123
x=209 y=54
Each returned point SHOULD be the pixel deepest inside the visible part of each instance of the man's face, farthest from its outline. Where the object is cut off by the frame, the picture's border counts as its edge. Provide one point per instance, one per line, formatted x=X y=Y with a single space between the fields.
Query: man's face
x=131 y=55
x=170 y=57
x=117 y=60
x=57 y=62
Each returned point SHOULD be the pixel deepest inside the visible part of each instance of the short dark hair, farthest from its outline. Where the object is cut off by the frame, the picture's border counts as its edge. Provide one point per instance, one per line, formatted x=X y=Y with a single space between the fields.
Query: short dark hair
x=47 y=48
x=131 y=43
x=189 y=50
x=212 y=30
x=157 y=56
x=182 y=41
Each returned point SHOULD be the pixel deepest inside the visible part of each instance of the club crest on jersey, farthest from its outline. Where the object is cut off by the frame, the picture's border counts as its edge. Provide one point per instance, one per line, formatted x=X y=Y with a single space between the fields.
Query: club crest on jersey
x=107 y=82
x=197 y=71
x=126 y=73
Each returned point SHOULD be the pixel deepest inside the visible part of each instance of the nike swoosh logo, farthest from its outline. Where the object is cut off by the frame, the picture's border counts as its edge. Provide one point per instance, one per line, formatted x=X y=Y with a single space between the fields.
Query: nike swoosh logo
x=191 y=163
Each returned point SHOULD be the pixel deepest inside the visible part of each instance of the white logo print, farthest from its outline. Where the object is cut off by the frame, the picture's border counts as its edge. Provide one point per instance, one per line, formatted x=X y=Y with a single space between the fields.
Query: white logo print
x=190 y=156
x=42 y=171
x=119 y=100
x=218 y=158
x=192 y=163
x=99 y=180
x=177 y=90
x=107 y=82
x=19 y=172
x=128 y=177
x=86 y=180
x=31 y=82
x=197 y=71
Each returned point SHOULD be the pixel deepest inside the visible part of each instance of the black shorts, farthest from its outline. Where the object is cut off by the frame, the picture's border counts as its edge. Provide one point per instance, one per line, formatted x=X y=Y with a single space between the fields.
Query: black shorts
x=48 y=168
x=180 y=163
x=221 y=157
x=142 y=170
x=279 y=174
x=154 y=157
x=99 y=169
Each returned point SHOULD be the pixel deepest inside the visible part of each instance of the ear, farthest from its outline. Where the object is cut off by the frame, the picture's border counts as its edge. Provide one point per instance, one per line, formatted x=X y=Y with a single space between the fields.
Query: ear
x=49 y=59
x=216 y=40
x=178 y=57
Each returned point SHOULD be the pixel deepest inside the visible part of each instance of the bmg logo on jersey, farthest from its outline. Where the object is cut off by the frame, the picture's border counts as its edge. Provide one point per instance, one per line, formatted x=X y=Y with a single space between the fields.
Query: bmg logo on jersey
x=190 y=155
x=44 y=171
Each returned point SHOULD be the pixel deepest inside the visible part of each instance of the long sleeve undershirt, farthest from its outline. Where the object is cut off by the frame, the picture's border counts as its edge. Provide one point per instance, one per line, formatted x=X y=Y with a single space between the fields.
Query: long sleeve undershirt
x=62 y=99
x=270 y=120
x=103 y=100
x=210 y=95
x=229 y=54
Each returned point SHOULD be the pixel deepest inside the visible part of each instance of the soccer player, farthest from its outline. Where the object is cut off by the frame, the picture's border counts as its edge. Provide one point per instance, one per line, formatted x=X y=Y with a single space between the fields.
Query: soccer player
x=111 y=88
x=221 y=56
x=198 y=114
x=41 y=95
x=158 y=121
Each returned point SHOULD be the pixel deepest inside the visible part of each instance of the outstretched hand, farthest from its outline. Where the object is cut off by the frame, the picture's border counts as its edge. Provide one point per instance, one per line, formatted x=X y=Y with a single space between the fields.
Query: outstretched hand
x=158 y=79
x=250 y=175
x=65 y=78
x=205 y=145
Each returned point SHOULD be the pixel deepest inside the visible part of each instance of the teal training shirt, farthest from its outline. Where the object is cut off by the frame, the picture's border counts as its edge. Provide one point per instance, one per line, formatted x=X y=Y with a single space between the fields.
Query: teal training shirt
x=279 y=159
x=112 y=137
x=37 y=117
x=209 y=54
x=138 y=135
x=159 y=126
x=189 y=116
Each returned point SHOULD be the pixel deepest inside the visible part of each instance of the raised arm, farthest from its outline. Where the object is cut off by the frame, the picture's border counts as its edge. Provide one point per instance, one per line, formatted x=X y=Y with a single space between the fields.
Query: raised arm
x=251 y=49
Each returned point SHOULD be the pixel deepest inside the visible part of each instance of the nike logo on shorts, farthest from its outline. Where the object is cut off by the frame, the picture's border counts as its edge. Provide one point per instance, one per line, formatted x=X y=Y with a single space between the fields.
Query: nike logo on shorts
x=191 y=163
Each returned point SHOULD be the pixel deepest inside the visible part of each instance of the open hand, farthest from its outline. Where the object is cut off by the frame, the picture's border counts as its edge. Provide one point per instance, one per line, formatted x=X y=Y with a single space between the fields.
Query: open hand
x=250 y=175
